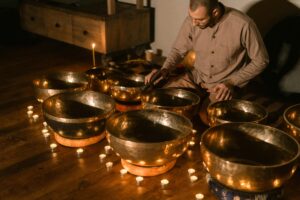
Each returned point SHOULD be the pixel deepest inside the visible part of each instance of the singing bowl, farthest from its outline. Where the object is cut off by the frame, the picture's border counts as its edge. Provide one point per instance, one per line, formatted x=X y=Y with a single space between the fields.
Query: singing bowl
x=177 y=100
x=148 y=138
x=58 y=82
x=78 y=115
x=126 y=87
x=291 y=118
x=97 y=78
x=235 y=111
x=249 y=156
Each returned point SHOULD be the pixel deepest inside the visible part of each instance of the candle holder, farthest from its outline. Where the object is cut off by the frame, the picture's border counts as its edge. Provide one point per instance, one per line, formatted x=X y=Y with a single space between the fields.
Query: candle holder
x=53 y=147
x=45 y=124
x=30 y=107
x=108 y=166
x=35 y=117
x=79 y=152
x=191 y=171
x=107 y=149
x=123 y=172
x=102 y=157
x=29 y=113
x=199 y=196
x=193 y=178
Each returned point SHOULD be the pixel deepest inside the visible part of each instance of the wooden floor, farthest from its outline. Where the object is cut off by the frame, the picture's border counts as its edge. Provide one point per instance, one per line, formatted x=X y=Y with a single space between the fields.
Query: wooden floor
x=28 y=168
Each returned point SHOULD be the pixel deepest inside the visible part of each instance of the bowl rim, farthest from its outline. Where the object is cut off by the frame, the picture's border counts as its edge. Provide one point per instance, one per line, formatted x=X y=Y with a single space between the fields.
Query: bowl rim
x=285 y=116
x=83 y=119
x=266 y=113
x=294 y=159
x=170 y=107
x=151 y=143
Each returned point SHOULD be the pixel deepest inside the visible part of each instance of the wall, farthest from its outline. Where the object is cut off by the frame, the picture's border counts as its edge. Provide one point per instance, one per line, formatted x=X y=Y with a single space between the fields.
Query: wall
x=171 y=13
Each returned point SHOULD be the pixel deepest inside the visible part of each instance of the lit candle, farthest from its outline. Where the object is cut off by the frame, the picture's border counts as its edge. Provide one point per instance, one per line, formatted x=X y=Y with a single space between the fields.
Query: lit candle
x=192 y=143
x=29 y=113
x=164 y=183
x=108 y=165
x=46 y=135
x=139 y=180
x=199 y=196
x=45 y=124
x=79 y=152
x=102 y=156
x=30 y=107
x=191 y=171
x=53 y=146
x=35 y=117
x=193 y=178
x=45 y=130
x=93 y=52
x=123 y=172
x=107 y=149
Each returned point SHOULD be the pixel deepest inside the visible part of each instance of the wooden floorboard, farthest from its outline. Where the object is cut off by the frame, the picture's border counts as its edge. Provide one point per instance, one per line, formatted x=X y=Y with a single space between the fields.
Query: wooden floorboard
x=28 y=168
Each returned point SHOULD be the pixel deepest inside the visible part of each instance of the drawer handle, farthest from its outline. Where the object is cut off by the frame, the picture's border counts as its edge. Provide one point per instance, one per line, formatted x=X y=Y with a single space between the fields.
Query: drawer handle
x=32 y=18
x=85 y=32
x=57 y=25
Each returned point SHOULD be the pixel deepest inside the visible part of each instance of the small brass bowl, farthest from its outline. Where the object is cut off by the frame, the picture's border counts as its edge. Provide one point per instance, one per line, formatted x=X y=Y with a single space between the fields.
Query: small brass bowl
x=235 y=111
x=58 y=82
x=148 y=138
x=249 y=156
x=126 y=88
x=177 y=100
x=78 y=115
x=291 y=118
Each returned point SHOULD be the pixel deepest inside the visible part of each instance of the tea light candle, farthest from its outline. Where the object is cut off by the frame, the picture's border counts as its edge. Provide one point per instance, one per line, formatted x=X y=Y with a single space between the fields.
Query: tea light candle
x=53 y=146
x=46 y=135
x=79 y=152
x=107 y=149
x=191 y=143
x=139 y=180
x=191 y=171
x=30 y=107
x=45 y=124
x=199 y=196
x=35 y=117
x=193 y=178
x=108 y=165
x=45 y=130
x=29 y=113
x=93 y=52
x=164 y=183
x=123 y=172
x=102 y=156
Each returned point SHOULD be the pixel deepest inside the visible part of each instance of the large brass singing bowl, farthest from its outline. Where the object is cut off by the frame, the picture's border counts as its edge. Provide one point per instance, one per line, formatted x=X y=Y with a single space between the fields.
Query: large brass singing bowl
x=58 y=82
x=177 y=100
x=248 y=156
x=291 y=118
x=235 y=111
x=78 y=115
x=148 y=138
x=126 y=87
x=98 y=78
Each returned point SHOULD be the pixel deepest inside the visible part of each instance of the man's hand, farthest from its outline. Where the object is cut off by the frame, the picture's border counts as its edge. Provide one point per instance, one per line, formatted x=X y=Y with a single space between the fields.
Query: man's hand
x=148 y=77
x=223 y=91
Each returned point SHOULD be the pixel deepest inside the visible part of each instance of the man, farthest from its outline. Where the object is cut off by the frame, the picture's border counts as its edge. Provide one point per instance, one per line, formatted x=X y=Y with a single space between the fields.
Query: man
x=228 y=46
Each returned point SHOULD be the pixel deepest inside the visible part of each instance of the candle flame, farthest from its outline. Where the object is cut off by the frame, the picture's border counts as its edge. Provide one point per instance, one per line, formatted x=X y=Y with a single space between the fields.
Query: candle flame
x=93 y=45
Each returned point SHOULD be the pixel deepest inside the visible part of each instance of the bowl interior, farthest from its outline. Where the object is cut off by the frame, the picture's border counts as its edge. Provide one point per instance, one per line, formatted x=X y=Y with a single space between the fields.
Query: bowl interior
x=75 y=105
x=237 y=111
x=127 y=80
x=61 y=80
x=250 y=144
x=148 y=126
x=171 y=97
x=292 y=115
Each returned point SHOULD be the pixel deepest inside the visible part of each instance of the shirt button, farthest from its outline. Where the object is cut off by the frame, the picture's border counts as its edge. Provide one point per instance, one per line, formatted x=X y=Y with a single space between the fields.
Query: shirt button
x=212 y=52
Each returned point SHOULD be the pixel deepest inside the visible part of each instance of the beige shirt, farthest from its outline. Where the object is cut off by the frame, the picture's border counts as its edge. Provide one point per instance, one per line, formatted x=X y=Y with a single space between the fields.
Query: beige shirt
x=230 y=51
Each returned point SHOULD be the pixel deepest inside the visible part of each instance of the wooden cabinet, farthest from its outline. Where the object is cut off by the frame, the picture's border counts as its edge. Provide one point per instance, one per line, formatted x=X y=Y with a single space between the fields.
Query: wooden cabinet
x=88 y=23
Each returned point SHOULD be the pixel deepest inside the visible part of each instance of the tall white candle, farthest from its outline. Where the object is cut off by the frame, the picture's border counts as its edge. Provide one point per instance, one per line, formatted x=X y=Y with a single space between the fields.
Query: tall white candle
x=93 y=54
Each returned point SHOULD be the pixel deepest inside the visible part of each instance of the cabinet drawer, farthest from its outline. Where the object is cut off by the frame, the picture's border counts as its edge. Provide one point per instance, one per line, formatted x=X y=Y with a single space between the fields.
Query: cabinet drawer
x=87 y=31
x=58 y=25
x=32 y=19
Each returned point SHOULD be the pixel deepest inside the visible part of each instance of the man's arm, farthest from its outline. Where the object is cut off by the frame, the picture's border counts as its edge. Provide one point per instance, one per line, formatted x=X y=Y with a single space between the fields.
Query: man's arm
x=257 y=53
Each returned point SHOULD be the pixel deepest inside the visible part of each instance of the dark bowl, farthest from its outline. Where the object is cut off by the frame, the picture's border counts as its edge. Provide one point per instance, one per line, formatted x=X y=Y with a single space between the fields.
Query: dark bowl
x=78 y=115
x=59 y=82
x=291 y=118
x=249 y=156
